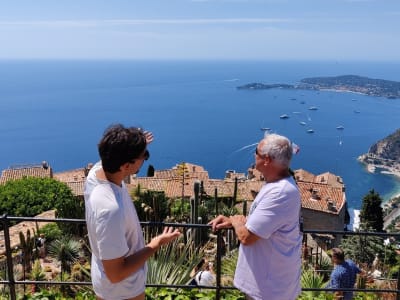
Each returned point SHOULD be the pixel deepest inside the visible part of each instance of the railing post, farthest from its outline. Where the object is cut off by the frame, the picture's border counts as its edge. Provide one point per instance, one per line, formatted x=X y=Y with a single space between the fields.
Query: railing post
x=398 y=284
x=220 y=242
x=10 y=270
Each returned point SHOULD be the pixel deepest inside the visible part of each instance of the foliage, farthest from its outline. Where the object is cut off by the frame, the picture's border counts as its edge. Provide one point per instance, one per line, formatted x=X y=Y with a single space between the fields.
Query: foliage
x=371 y=214
x=362 y=249
x=57 y=295
x=51 y=232
x=150 y=205
x=190 y=294
x=228 y=267
x=37 y=274
x=66 y=250
x=31 y=196
x=173 y=263
x=310 y=279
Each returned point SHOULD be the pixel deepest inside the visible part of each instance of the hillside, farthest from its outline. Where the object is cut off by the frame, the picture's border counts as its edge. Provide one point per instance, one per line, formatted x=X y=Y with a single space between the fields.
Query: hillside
x=384 y=154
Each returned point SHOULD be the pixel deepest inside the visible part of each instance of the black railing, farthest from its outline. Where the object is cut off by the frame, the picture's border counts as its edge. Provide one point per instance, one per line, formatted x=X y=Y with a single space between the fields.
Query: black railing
x=12 y=283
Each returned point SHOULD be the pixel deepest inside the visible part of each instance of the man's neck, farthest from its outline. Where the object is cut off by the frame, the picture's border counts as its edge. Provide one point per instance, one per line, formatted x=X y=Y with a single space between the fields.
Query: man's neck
x=280 y=174
x=115 y=178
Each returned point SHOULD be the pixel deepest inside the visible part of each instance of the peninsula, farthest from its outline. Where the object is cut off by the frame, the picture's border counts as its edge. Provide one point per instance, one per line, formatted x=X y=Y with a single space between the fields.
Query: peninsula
x=345 y=83
x=384 y=154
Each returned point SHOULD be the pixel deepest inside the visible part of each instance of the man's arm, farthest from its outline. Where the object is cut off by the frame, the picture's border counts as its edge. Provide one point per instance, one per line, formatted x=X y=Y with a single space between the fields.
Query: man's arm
x=120 y=268
x=245 y=236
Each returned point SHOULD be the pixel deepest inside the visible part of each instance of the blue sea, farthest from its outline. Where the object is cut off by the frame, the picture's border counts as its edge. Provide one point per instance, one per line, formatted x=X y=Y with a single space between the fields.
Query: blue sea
x=56 y=111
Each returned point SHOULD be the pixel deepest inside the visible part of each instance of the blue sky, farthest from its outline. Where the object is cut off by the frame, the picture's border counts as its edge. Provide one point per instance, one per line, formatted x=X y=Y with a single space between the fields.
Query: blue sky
x=334 y=30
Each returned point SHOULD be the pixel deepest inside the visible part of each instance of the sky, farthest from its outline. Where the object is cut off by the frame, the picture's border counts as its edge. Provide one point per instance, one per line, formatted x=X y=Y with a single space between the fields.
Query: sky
x=335 y=30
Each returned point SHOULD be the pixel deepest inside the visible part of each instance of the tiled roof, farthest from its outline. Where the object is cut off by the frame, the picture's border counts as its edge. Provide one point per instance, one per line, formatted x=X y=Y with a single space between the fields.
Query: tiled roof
x=321 y=197
x=71 y=175
x=173 y=187
x=77 y=187
x=42 y=171
x=303 y=175
x=75 y=179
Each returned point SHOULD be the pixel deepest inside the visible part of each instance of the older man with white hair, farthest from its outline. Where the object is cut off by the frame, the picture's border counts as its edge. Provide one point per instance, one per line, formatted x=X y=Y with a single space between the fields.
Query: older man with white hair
x=269 y=263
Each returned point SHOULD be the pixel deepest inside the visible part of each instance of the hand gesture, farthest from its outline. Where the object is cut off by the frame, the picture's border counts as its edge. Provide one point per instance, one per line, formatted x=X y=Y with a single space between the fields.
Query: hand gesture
x=169 y=234
x=220 y=222
x=149 y=137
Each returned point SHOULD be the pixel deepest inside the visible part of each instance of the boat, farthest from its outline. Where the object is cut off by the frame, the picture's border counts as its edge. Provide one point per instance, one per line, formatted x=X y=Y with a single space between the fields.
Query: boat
x=297 y=112
x=310 y=130
x=284 y=116
x=303 y=123
x=340 y=127
x=265 y=129
x=313 y=108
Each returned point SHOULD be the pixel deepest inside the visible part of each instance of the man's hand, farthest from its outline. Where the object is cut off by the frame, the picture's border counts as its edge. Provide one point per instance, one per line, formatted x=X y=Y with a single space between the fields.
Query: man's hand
x=149 y=137
x=238 y=220
x=169 y=234
x=220 y=222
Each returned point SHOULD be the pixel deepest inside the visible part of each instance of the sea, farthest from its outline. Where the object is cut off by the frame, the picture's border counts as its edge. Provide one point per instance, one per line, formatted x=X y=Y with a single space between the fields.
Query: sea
x=57 y=110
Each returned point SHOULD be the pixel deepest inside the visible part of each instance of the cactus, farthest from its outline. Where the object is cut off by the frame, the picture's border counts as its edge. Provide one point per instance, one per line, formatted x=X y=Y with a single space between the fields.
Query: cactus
x=27 y=246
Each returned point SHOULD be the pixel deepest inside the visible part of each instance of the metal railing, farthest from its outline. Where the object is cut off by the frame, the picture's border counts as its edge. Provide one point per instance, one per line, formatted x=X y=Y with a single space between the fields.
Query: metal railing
x=12 y=283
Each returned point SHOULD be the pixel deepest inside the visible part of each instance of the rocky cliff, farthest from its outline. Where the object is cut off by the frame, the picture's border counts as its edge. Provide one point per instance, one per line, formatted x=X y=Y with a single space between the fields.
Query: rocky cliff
x=387 y=148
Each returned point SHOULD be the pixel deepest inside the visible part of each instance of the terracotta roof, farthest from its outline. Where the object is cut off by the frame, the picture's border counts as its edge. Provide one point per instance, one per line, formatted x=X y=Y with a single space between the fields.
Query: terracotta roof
x=330 y=179
x=43 y=171
x=77 y=187
x=71 y=175
x=321 y=197
x=173 y=187
x=303 y=175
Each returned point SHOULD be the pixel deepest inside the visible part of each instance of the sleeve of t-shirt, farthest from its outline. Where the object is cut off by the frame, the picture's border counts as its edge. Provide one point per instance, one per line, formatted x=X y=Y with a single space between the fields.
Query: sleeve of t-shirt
x=110 y=234
x=270 y=214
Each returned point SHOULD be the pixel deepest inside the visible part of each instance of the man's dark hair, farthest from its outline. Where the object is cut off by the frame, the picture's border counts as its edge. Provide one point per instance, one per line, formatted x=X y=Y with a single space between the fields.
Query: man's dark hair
x=120 y=145
x=338 y=254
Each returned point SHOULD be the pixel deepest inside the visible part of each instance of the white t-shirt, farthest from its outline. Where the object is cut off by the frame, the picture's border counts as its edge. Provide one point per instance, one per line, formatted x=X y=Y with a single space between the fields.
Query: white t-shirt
x=205 y=278
x=271 y=267
x=114 y=231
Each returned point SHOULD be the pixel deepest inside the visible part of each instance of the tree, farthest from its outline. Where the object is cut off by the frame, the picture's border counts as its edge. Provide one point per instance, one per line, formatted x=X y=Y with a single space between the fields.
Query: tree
x=31 y=196
x=371 y=214
x=363 y=249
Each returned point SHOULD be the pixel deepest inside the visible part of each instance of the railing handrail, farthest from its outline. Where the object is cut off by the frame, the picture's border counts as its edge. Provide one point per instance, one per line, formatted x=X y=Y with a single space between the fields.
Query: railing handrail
x=4 y=219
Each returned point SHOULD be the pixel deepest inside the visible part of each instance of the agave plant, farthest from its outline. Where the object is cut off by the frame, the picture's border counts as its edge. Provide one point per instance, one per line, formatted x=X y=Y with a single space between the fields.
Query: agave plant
x=173 y=263
x=37 y=274
x=66 y=251
x=310 y=279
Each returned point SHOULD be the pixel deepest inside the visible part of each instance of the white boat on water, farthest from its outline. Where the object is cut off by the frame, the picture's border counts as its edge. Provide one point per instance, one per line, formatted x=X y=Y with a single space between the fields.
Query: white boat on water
x=313 y=108
x=340 y=127
x=310 y=130
x=303 y=123
x=284 y=116
x=265 y=129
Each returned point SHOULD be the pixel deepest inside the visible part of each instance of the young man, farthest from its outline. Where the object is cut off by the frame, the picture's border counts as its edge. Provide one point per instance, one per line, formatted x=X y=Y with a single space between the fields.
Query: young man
x=119 y=254
x=269 y=262
x=343 y=275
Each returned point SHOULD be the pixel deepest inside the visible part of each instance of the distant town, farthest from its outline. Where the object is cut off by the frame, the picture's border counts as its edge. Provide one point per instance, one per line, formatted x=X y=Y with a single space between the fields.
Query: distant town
x=344 y=83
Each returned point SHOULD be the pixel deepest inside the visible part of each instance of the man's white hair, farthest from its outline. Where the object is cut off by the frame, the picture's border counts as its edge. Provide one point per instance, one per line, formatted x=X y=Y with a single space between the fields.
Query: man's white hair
x=278 y=148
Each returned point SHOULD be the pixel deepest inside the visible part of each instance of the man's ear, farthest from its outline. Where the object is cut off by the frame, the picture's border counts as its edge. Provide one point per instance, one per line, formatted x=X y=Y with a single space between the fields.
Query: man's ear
x=125 y=166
